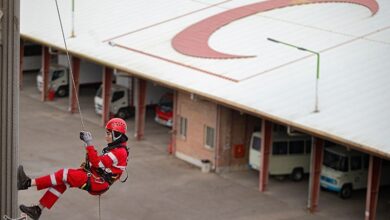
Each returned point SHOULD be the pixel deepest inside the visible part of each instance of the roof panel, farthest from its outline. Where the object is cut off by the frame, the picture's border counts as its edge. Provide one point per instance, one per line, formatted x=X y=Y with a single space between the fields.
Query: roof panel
x=279 y=83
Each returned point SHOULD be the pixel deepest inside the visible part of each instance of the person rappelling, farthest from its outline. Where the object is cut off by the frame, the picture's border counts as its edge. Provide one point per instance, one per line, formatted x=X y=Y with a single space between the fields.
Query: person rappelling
x=96 y=175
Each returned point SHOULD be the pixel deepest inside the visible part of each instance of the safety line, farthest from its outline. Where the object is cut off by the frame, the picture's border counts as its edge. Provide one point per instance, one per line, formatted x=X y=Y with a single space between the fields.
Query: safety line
x=165 y=21
x=70 y=68
x=99 y=209
x=174 y=62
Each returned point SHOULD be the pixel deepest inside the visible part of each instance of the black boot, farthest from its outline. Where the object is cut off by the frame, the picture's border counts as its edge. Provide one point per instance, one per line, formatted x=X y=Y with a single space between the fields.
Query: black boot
x=33 y=212
x=23 y=180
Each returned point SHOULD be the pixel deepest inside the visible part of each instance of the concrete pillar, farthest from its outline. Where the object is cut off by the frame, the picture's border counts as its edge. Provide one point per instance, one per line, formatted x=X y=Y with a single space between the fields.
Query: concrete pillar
x=106 y=94
x=374 y=177
x=74 y=84
x=140 y=108
x=266 y=143
x=45 y=73
x=217 y=149
x=21 y=55
x=9 y=105
x=172 y=145
x=315 y=173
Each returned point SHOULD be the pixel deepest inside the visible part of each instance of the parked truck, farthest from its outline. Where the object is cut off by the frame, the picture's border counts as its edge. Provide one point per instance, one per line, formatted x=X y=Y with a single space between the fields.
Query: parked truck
x=122 y=97
x=344 y=170
x=60 y=79
x=164 y=110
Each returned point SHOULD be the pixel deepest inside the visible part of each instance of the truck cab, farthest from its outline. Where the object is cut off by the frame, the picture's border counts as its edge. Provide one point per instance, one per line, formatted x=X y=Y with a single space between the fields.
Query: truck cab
x=58 y=80
x=164 y=110
x=346 y=170
x=120 y=103
x=290 y=155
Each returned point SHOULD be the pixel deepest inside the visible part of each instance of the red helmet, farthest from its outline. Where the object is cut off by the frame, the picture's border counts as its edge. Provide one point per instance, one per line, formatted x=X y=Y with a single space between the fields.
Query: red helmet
x=117 y=124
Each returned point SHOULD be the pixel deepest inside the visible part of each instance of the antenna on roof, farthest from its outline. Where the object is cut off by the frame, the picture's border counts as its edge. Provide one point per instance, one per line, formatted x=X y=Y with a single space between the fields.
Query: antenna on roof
x=72 y=33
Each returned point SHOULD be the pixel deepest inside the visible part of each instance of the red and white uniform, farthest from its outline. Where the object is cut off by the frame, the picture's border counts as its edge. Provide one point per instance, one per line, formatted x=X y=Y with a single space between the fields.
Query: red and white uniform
x=114 y=161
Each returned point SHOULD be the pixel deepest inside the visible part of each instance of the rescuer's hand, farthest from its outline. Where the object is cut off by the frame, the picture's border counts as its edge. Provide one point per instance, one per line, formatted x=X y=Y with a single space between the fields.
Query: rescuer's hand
x=86 y=137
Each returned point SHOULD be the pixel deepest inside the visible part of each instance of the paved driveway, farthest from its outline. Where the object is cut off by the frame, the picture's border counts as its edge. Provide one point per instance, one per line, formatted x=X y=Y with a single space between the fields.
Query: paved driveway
x=159 y=186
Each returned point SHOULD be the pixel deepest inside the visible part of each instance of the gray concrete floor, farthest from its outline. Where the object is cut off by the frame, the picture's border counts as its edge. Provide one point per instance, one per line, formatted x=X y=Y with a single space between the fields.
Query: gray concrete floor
x=159 y=185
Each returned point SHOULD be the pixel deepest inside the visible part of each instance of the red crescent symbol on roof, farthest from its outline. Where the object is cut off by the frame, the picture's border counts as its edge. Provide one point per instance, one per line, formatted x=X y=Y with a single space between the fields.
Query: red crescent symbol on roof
x=193 y=41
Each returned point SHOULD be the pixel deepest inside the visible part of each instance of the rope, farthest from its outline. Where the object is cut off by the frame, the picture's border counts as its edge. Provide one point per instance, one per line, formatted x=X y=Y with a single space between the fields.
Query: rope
x=70 y=68
x=99 y=209
x=73 y=82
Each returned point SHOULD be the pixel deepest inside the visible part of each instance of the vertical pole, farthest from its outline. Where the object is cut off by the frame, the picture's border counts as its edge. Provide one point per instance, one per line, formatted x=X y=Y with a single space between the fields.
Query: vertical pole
x=76 y=78
x=106 y=94
x=315 y=174
x=21 y=64
x=218 y=139
x=265 y=148
x=140 y=108
x=72 y=33
x=316 y=108
x=45 y=73
x=172 y=147
x=9 y=105
x=374 y=176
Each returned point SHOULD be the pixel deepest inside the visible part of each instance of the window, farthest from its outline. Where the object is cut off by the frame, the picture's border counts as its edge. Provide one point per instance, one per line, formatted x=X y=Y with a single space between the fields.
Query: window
x=256 y=144
x=57 y=74
x=279 y=148
x=335 y=161
x=296 y=147
x=365 y=161
x=209 y=133
x=356 y=163
x=183 y=127
x=308 y=146
x=117 y=96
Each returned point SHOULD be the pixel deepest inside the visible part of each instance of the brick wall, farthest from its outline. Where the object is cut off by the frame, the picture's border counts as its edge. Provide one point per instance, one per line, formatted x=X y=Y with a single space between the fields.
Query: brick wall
x=198 y=113
x=234 y=128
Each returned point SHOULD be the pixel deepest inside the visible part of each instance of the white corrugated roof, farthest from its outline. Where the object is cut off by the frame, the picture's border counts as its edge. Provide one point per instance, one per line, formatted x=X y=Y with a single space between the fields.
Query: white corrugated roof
x=279 y=83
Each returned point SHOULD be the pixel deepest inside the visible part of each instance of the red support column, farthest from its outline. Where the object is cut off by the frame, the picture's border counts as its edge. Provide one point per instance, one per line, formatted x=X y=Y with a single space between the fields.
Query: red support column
x=374 y=177
x=45 y=73
x=315 y=173
x=21 y=64
x=172 y=144
x=140 y=109
x=75 y=86
x=266 y=143
x=106 y=94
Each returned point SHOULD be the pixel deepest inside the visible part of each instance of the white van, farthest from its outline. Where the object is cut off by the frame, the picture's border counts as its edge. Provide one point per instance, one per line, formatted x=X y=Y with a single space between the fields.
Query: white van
x=289 y=154
x=345 y=170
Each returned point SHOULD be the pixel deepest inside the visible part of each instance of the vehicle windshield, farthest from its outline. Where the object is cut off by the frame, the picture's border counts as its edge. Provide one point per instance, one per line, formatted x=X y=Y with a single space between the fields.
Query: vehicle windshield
x=256 y=143
x=166 y=103
x=99 y=92
x=335 y=161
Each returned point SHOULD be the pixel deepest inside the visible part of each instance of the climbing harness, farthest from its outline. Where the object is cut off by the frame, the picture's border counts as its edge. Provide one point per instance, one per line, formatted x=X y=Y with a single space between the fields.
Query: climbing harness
x=103 y=175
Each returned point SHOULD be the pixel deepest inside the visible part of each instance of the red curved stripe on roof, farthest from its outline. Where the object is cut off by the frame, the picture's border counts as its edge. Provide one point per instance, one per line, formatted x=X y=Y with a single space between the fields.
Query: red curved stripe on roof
x=193 y=41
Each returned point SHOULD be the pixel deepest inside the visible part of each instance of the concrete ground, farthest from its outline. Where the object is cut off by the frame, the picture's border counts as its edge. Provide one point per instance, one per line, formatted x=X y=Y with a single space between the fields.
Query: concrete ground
x=159 y=186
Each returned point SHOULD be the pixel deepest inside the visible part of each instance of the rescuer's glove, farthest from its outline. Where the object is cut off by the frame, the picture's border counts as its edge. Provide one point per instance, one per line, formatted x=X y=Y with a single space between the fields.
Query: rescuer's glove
x=86 y=137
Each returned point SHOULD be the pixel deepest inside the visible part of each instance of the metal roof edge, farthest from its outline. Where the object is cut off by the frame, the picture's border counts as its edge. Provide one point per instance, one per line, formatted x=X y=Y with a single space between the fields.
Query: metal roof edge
x=225 y=102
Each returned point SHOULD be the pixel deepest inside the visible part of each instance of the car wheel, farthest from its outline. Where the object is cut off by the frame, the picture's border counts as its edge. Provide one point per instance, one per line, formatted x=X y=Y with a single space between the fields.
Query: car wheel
x=122 y=113
x=62 y=91
x=346 y=191
x=297 y=174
